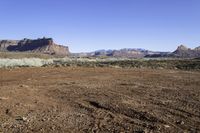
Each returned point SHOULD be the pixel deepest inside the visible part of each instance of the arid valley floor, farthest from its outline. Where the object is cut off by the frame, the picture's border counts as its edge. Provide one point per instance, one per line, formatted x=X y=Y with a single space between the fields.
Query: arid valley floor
x=80 y=99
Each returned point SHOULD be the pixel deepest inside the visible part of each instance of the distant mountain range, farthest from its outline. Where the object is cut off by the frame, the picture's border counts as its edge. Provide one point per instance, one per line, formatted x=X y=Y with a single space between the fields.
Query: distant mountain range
x=123 y=53
x=181 y=52
x=47 y=46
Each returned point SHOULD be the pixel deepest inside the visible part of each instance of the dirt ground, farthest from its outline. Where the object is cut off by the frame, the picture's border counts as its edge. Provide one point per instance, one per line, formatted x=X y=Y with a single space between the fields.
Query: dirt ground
x=99 y=100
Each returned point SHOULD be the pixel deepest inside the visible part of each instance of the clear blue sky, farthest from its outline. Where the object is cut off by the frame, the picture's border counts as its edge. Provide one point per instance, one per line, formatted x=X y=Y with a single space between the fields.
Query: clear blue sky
x=87 y=25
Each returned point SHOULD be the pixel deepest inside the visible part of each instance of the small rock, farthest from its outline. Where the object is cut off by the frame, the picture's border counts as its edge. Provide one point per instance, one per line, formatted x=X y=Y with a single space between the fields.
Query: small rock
x=52 y=127
x=3 y=98
x=166 y=126
x=8 y=112
x=24 y=86
x=24 y=118
x=180 y=122
x=20 y=118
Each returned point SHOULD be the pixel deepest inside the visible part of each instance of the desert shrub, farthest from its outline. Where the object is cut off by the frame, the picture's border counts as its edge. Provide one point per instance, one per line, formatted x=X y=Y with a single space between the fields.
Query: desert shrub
x=25 y=62
x=188 y=65
x=98 y=62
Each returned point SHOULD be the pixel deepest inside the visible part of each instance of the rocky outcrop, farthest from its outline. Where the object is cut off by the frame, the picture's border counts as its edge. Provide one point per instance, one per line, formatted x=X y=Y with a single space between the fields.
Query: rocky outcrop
x=44 y=45
x=4 y=44
x=197 y=48
x=129 y=53
x=135 y=53
x=184 y=52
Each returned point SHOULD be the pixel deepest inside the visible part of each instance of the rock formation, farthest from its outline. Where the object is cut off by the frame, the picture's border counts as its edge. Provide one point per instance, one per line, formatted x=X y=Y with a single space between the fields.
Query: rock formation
x=121 y=53
x=44 y=45
x=184 y=52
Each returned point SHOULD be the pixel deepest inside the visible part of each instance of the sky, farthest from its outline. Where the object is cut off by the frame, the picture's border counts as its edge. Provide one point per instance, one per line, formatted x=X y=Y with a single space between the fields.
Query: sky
x=88 y=25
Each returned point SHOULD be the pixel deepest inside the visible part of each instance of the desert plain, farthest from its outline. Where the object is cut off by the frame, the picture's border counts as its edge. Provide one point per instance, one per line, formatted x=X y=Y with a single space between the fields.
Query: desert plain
x=99 y=99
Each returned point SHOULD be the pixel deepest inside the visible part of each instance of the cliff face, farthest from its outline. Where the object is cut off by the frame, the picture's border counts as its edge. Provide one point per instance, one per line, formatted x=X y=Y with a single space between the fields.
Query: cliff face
x=45 y=45
x=184 y=52
x=4 y=44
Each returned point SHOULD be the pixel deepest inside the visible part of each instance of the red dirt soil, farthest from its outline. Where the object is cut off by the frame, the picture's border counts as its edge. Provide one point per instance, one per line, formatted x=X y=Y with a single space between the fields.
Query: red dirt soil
x=67 y=99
